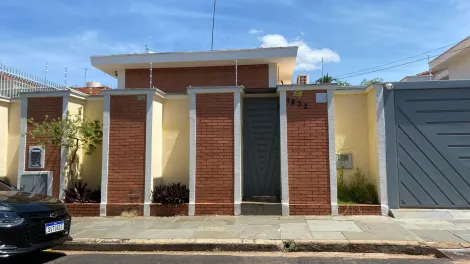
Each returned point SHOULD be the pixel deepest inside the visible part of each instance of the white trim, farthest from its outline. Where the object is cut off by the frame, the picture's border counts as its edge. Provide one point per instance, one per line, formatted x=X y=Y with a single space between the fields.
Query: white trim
x=121 y=78
x=237 y=160
x=63 y=151
x=215 y=89
x=50 y=178
x=22 y=147
x=284 y=153
x=133 y=91
x=192 y=155
x=4 y=99
x=105 y=155
x=309 y=87
x=275 y=53
x=332 y=153
x=59 y=93
x=382 y=148
x=272 y=74
x=148 y=156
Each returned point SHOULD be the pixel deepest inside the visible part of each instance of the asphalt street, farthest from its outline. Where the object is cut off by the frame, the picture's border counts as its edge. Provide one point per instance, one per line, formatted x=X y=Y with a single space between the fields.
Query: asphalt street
x=217 y=258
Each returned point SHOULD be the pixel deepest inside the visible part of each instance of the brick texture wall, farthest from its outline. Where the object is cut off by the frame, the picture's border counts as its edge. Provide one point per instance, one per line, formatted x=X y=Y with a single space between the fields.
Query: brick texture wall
x=38 y=108
x=214 y=153
x=84 y=209
x=307 y=143
x=176 y=80
x=126 y=169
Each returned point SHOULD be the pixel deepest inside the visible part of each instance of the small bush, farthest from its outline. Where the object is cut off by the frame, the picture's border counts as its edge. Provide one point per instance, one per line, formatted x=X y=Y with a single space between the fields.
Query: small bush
x=358 y=191
x=79 y=193
x=171 y=194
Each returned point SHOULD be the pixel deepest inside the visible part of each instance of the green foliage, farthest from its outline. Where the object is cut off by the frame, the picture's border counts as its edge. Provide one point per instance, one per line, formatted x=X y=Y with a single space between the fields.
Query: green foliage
x=72 y=132
x=357 y=191
x=325 y=79
x=366 y=82
x=342 y=83
x=171 y=194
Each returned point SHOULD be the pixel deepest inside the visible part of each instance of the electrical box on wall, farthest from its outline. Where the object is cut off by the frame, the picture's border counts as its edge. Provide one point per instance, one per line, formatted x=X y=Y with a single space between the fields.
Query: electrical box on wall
x=344 y=161
x=37 y=156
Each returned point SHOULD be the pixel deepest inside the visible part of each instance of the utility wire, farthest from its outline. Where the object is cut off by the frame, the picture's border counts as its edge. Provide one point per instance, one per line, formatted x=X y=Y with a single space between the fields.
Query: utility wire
x=375 y=67
x=398 y=65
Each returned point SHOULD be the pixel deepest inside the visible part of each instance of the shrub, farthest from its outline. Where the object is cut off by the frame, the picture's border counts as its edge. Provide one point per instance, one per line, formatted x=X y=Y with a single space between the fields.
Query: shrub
x=79 y=193
x=171 y=194
x=358 y=191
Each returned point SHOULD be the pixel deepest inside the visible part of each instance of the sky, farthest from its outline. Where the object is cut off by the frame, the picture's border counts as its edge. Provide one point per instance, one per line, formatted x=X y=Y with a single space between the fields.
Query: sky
x=350 y=35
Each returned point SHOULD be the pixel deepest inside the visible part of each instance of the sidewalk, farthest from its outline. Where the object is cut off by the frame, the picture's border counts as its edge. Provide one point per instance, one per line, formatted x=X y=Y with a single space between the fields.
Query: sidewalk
x=313 y=231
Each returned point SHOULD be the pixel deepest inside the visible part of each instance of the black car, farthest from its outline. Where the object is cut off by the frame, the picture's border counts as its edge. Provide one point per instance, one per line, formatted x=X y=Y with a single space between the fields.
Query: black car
x=30 y=222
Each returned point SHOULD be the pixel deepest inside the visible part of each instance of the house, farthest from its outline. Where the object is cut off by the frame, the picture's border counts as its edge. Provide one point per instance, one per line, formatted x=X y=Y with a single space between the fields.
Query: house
x=230 y=124
x=453 y=64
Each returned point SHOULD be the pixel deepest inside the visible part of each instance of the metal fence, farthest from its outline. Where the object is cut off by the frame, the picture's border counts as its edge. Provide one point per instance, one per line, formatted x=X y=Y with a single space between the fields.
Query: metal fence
x=13 y=81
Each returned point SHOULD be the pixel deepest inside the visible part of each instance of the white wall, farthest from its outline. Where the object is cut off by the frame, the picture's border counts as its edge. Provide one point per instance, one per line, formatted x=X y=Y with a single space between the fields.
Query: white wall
x=460 y=69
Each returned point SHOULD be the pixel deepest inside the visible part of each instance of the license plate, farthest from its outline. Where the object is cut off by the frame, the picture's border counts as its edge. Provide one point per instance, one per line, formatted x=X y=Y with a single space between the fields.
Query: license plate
x=54 y=227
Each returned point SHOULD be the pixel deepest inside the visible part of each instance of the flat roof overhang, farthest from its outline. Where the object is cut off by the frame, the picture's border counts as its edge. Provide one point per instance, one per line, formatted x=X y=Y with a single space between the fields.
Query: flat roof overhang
x=284 y=57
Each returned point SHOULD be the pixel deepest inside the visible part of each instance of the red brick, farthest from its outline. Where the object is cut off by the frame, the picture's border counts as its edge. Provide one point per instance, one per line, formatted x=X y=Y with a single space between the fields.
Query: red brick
x=83 y=209
x=308 y=158
x=38 y=109
x=214 y=153
x=176 y=80
x=168 y=210
x=126 y=164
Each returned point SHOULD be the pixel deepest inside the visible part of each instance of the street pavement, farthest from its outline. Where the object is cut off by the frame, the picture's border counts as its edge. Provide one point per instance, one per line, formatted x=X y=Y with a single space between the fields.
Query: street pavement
x=298 y=228
x=217 y=258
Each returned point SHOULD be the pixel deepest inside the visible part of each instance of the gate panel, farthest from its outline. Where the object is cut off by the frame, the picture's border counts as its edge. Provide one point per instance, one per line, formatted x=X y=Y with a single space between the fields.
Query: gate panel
x=261 y=157
x=433 y=147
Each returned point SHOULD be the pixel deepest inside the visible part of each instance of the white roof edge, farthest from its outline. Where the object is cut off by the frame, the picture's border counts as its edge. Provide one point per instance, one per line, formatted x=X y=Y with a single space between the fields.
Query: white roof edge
x=243 y=54
x=449 y=53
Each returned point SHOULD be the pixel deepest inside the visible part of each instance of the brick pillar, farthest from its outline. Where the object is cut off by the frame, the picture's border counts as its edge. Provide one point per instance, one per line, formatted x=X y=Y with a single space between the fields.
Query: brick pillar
x=38 y=109
x=126 y=154
x=308 y=155
x=214 y=183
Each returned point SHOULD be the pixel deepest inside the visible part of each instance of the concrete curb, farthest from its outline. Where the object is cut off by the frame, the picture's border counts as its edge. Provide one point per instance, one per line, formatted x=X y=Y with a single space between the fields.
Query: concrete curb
x=380 y=246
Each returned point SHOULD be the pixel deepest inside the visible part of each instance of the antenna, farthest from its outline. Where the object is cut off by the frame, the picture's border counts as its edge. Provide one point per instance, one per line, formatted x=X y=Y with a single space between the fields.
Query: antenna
x=146 y=49
x=86 y=69
x=65 y=76
x=150 y=75
x=236 y=72
x=47 y=71
x=213 y=22
x=322 y=67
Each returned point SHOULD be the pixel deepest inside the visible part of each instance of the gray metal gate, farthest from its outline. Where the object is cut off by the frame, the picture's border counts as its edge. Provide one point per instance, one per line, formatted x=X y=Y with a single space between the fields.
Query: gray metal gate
x=261 y=157
x=432 y=145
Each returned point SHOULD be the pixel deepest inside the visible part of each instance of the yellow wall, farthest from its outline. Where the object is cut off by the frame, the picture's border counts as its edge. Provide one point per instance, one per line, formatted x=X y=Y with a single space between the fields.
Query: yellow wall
x=176 y=141
x=3 y=137
x=14 y=117
x=157 y=140
x=91 y=168
x=74 y=106
x=373 y=143
x=352 y=131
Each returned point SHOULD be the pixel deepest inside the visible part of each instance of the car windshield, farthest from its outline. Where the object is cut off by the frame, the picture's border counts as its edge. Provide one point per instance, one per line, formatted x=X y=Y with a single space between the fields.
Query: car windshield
x=5 y=187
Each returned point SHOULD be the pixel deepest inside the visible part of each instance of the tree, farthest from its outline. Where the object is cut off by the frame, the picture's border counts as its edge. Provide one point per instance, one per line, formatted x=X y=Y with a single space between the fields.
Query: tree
x=366 y=82
x=325 y=79
x=342 y=83
x=72 y=132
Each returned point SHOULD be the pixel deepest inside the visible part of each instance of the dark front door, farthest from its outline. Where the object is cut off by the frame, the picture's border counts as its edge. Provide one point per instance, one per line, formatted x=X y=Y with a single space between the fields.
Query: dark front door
x=261 y=157
x=433 y=145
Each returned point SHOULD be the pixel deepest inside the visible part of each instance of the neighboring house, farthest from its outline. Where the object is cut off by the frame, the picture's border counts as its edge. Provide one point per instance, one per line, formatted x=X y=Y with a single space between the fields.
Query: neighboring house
x=453 y=64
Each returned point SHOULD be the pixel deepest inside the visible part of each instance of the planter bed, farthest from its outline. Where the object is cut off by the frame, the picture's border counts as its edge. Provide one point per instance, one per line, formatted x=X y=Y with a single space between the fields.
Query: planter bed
x=83 y=209
x=168 y=210
x=359 y=209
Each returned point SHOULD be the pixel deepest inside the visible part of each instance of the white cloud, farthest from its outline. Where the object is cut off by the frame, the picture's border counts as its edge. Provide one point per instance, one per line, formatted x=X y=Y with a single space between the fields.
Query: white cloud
x=308 y=59
x=255 y=31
